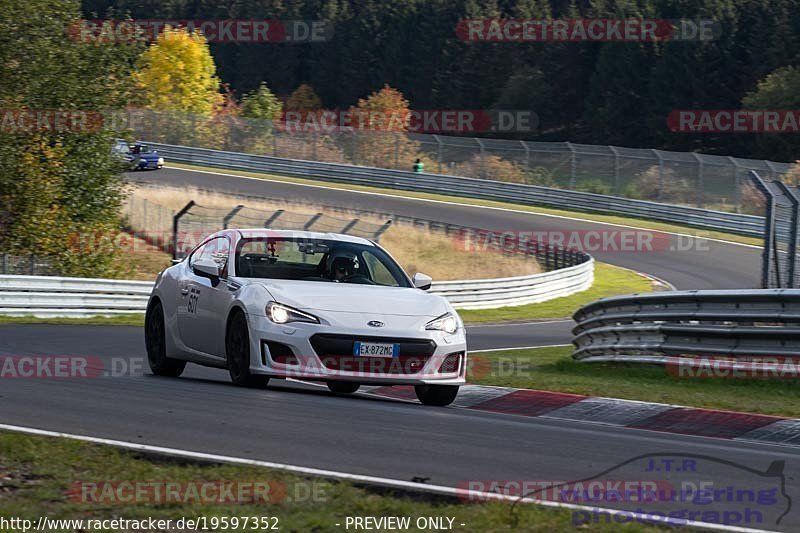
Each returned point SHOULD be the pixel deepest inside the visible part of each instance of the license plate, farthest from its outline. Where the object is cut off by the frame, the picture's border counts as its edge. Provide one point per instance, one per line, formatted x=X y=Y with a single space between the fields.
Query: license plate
x=375 y=349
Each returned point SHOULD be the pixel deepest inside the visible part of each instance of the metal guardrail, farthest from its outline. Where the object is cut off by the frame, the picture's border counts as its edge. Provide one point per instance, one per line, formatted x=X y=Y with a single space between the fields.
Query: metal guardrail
x=45 y=297
x=467 y=187
x=652 y=327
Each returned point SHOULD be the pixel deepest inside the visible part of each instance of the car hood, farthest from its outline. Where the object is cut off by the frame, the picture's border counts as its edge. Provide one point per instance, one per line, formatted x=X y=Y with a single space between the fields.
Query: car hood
x=352 y=298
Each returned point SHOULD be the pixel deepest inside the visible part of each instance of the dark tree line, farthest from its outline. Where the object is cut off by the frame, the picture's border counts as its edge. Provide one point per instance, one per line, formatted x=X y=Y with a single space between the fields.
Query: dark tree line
x=617 y=93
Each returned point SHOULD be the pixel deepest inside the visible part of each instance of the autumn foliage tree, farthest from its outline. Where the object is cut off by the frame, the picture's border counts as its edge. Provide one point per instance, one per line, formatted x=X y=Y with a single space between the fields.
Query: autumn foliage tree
x=60 y=188
x=381 y=123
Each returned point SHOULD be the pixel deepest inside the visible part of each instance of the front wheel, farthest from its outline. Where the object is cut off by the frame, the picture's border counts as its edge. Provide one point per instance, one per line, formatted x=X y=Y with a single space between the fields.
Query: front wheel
x=343 y=387
x=439 y=395
x=155 y=342
x=237 y=352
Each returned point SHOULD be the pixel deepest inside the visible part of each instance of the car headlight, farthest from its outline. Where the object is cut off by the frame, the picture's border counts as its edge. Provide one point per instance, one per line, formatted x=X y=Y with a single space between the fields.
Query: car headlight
x=160 y=160
x=447 y=323
x=282 y=314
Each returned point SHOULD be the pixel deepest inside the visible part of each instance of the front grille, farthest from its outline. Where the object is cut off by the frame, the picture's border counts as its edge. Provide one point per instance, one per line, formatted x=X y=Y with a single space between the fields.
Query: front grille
x=452 y=363
x=336 y=353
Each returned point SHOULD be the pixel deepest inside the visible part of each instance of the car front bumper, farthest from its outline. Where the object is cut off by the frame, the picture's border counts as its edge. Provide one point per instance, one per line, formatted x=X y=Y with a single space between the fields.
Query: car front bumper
x=426 y=357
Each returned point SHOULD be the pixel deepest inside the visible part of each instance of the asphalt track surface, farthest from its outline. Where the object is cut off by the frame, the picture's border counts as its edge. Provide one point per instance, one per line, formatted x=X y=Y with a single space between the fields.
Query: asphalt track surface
x=302 y=425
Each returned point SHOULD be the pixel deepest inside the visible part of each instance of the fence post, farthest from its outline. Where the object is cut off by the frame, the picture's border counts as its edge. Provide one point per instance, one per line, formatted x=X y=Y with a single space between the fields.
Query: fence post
x=483 y=158
x=230 y=215
x=311 y=221
x=33 y=264
x=573 y=165
x=527 y=155
x=175 y=223
x=438 y=153
x=5 y=263
x=793 y=198
x=396 y=150
x=769 y=227
x=382 y=230
x=616 y=168
x=660 y=174
x=736 y=188
x=700 y=178
x=273 y=218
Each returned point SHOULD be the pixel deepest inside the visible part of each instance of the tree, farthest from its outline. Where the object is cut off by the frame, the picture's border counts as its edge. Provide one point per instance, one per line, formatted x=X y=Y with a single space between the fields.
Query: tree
x=780 y=90
x=177 y=73
x=303 y=98
x=381 y=121
x=261 y=103
x=57 y=186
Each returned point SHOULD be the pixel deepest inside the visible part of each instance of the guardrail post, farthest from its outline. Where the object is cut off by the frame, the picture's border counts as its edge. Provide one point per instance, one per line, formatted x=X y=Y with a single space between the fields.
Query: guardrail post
x=175 y=223
x=349 y=225
x=227 y=219
x=273 y=218
x=382 y=230
x=573 y=165
x=769 y=227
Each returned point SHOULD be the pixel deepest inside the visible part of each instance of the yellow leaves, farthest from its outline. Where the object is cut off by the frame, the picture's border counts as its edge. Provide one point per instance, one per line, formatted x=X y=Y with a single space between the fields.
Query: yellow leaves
x=177 y=73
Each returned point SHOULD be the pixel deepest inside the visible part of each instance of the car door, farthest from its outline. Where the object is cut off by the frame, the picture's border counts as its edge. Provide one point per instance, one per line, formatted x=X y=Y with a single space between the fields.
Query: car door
x=200 y=315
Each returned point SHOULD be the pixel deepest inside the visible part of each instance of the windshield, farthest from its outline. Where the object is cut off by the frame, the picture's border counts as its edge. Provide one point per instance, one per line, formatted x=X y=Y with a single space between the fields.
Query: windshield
x=320 y=260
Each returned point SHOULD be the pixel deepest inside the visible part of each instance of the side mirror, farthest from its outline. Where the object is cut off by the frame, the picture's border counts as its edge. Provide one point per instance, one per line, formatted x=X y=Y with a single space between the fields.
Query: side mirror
x=422 y=281
x=207 y=268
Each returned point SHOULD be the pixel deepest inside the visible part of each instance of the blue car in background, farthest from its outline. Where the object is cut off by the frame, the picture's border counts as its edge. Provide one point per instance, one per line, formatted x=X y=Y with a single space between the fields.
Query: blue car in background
x=137 y=156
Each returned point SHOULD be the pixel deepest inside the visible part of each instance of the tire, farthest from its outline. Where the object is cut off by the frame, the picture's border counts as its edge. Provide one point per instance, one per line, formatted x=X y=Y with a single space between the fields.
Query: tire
x=343 y=387
x=237 y=352
x=438 y=395
x=155 y=342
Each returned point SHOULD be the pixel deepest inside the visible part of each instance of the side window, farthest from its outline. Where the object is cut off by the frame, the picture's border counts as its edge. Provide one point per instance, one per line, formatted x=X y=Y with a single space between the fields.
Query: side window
x=380 y=274
x=216 y=249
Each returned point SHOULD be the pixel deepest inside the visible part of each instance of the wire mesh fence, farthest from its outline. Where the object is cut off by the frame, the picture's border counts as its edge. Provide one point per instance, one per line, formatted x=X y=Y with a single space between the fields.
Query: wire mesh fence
x=30 y=265
x=782 y=230
x=683 y=178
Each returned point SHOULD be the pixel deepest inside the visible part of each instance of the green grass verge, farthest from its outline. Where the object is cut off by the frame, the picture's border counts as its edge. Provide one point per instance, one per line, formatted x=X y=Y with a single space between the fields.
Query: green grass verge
x=553 y=369
x=117 y=320
x=37 y=472
x=608 y=281
x=592 y=217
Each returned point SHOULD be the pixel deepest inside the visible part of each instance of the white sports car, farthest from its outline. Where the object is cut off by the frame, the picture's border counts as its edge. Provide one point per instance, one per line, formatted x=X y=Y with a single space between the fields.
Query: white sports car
x=314 y=306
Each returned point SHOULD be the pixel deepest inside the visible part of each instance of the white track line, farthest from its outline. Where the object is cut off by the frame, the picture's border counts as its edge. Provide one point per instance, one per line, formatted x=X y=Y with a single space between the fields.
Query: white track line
x=519 y=348
x=531 y=323
x=357 y=478
x=461 y=204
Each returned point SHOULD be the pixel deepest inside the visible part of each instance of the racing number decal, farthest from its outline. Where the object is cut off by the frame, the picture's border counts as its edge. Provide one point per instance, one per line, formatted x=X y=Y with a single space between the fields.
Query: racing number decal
x=194 y=297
